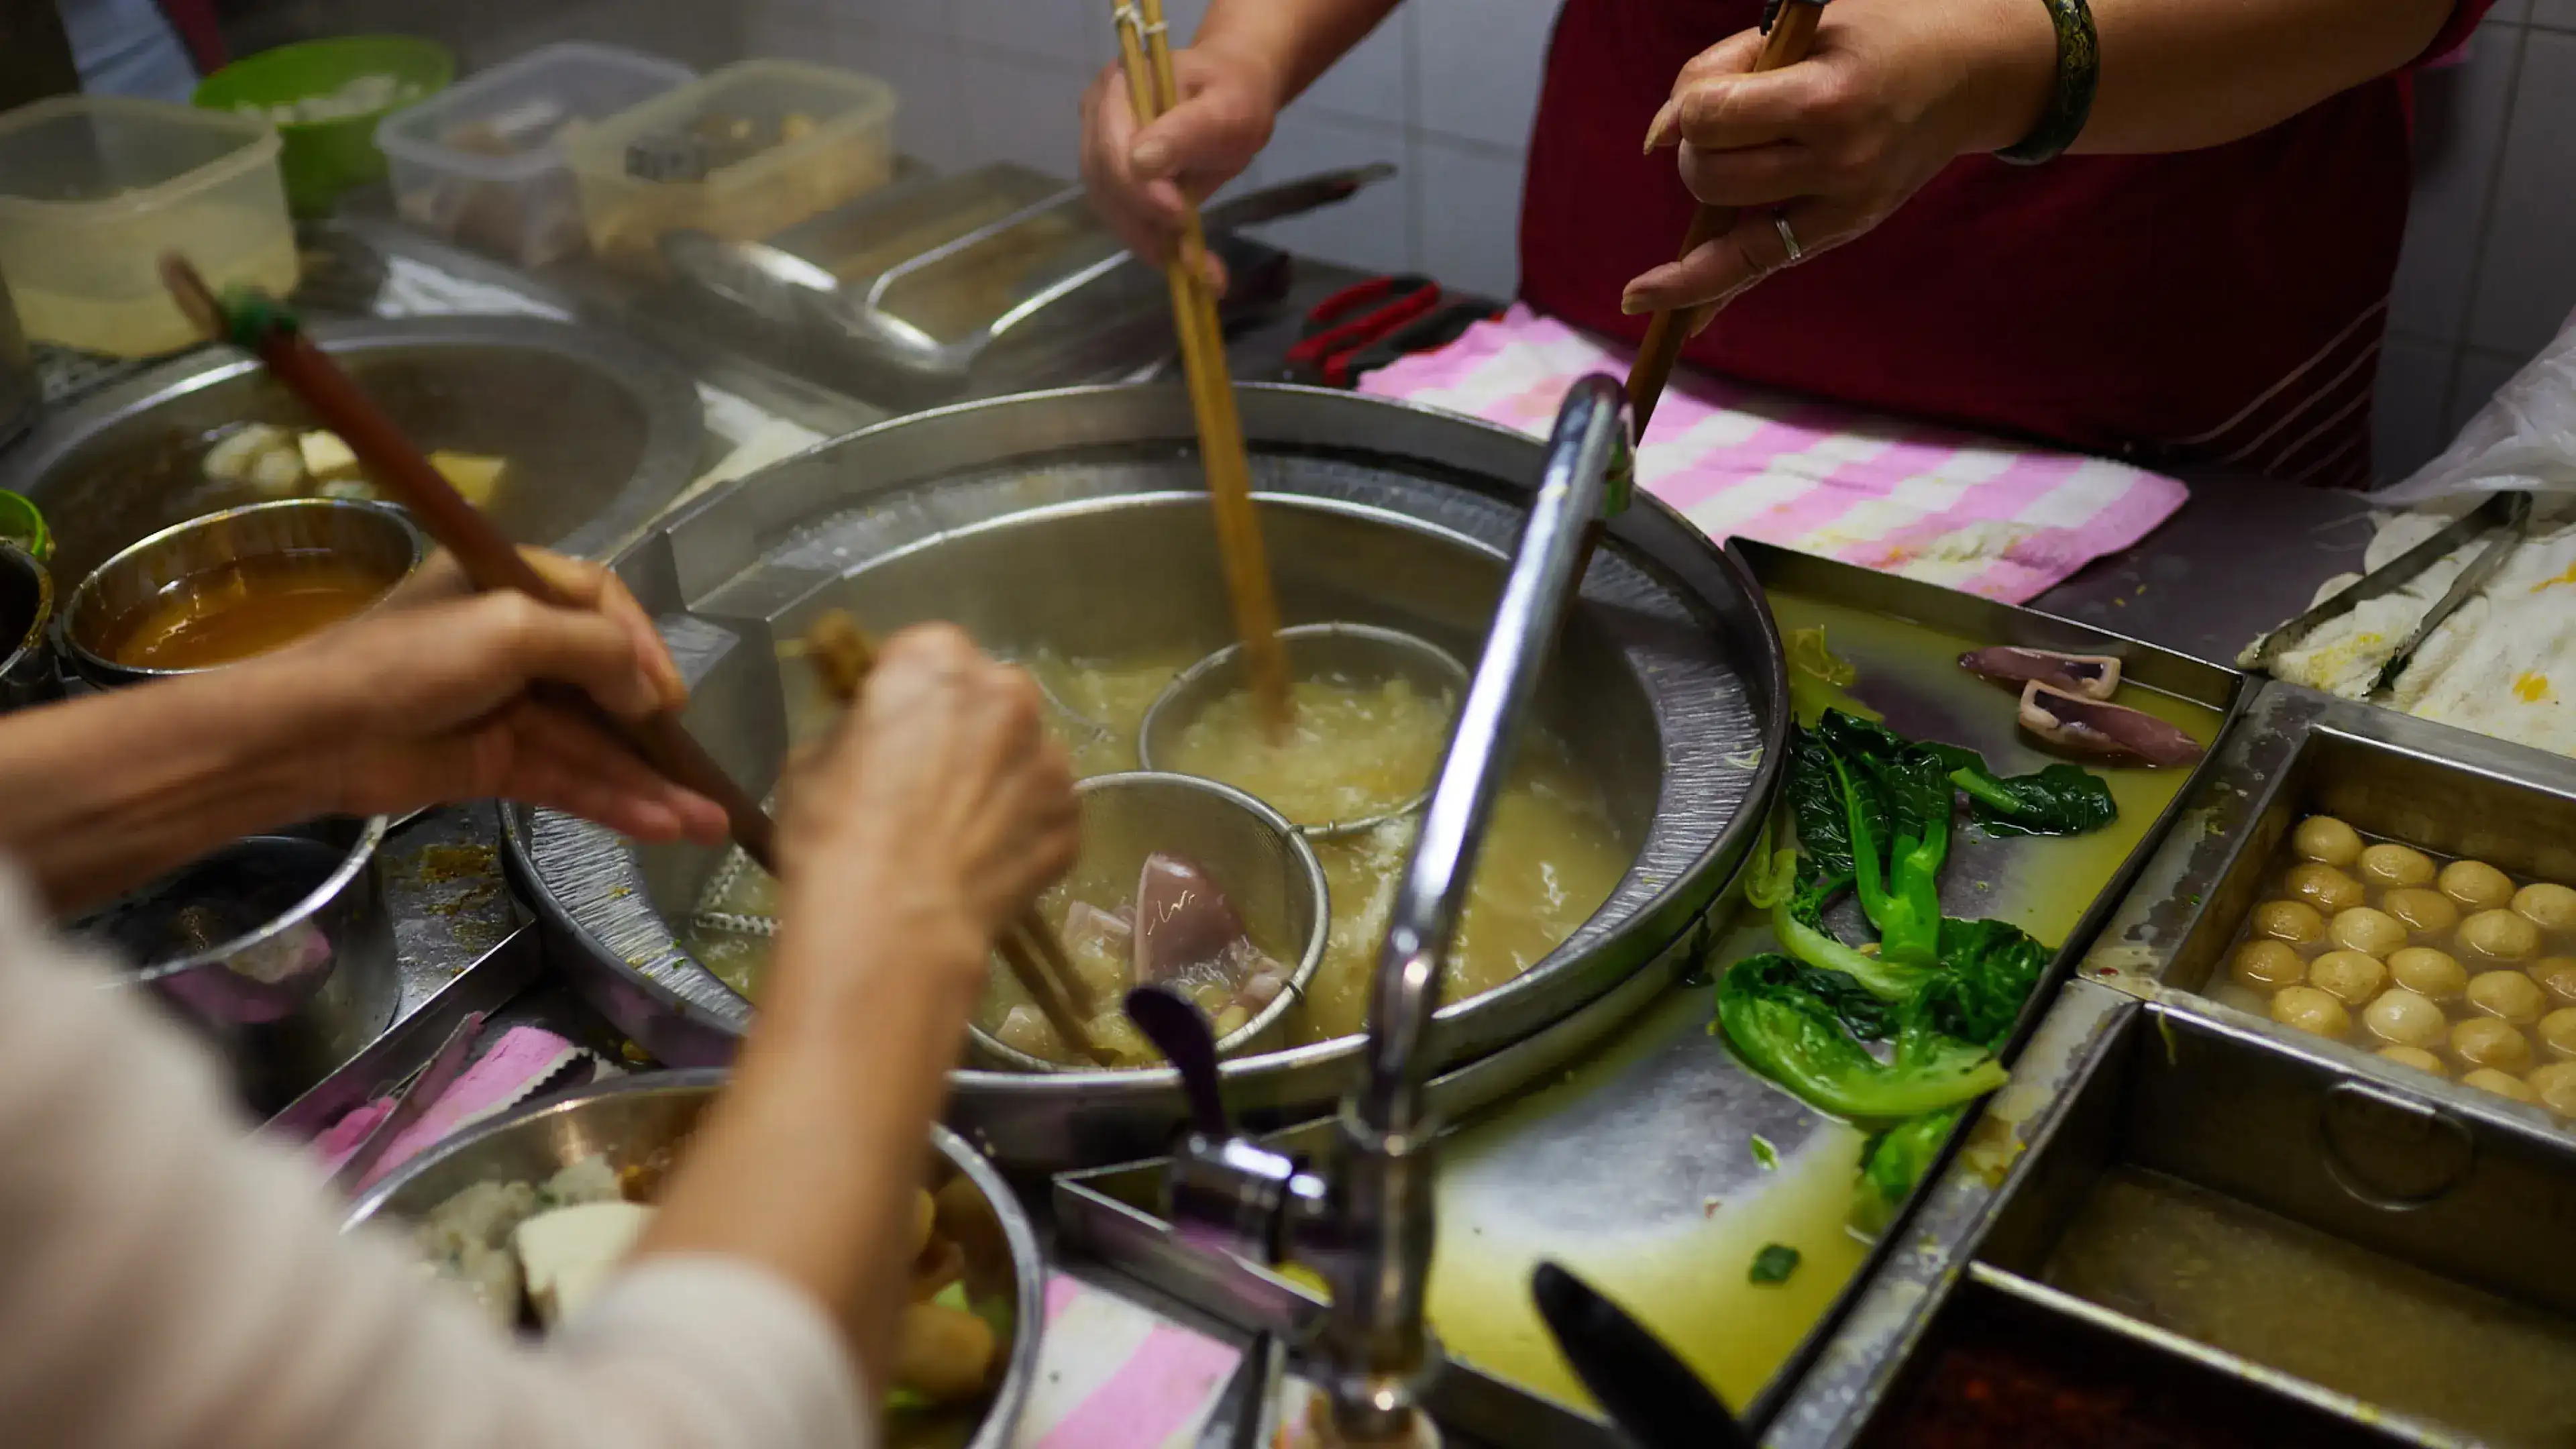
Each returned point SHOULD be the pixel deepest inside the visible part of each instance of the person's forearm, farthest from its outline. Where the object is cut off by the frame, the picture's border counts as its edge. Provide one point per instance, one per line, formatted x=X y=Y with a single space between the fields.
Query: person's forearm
x=1296 y=40
x=2181 y=74
x=813 y=1162
x=107 y=792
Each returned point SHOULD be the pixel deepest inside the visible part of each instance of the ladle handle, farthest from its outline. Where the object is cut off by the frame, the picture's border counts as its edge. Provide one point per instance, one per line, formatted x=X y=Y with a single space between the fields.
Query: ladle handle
x=1182 y=1034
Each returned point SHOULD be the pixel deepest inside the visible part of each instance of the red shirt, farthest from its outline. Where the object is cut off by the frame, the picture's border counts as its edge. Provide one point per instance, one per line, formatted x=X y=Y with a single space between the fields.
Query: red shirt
x=2221 y=306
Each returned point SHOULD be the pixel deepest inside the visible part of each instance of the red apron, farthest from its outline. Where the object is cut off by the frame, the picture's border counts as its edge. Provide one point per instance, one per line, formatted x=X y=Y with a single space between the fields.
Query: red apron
x=2221 y=306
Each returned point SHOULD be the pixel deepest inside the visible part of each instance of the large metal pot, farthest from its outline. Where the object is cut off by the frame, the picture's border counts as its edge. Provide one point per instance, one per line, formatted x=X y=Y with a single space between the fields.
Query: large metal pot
x=598 y=436
x=636 y=1122
x=1078 y=520
x=278 y=947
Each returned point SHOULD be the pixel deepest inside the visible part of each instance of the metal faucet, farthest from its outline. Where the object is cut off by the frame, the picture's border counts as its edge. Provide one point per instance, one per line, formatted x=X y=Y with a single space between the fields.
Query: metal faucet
x=1365 y=1223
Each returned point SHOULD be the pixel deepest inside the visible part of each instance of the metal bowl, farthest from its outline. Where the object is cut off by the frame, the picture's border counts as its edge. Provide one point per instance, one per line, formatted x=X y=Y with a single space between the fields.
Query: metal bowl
x=600 y=434
x=1360 y=653
x=636 y=1121
x=1078 y=522
x=370 y=536
x=1252 y=852
x=278 y=946
x=26 y=617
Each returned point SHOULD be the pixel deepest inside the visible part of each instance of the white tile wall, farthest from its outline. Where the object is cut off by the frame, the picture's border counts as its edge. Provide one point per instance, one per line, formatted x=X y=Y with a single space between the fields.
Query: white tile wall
x=1446 y=89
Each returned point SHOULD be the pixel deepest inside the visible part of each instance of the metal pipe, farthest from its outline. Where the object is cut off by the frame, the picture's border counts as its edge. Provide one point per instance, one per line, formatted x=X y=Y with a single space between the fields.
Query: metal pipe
x=1376 y=1335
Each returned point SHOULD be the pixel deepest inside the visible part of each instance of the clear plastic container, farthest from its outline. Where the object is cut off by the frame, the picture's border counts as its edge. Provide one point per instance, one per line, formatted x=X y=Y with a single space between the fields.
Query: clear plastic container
x=483 y=164
x=93 y=189
x=779 y=141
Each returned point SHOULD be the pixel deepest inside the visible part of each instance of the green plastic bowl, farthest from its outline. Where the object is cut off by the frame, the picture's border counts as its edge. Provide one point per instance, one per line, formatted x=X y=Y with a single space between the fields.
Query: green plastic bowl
x=321 y=159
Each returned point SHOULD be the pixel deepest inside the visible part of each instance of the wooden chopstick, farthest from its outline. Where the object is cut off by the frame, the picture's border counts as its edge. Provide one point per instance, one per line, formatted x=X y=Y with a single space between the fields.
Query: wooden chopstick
x=842 y=654
x=1792 y=35
x=1146 y=56
x=490 y=561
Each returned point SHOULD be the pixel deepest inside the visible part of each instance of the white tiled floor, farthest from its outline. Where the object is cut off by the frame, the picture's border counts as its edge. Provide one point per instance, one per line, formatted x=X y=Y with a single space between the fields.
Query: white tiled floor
x=2460 y=122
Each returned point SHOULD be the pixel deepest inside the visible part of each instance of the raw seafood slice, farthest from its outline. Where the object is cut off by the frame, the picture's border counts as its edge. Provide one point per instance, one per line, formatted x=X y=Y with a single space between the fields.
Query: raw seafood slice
x=2095 y=676
x=2102 y=730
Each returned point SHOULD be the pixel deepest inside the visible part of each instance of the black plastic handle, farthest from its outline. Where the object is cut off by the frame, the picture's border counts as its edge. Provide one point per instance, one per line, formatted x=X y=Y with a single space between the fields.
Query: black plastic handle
x=1649 y=1393
x=1175 y=1026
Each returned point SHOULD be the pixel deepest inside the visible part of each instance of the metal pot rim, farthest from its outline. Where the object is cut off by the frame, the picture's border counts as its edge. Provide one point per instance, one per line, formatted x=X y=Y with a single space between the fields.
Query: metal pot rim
x=1019 y=1234
x=1320 y=896
x=99 y=668
x=360 y=856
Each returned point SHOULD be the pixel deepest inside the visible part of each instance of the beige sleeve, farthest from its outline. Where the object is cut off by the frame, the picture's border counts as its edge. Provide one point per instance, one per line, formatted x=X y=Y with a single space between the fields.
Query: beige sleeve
x=166 y=1281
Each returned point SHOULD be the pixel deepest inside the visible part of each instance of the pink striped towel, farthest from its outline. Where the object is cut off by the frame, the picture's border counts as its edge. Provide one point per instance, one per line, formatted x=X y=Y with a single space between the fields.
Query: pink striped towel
x=1115 y=1375
x=523 y=1060
x=1999 y=519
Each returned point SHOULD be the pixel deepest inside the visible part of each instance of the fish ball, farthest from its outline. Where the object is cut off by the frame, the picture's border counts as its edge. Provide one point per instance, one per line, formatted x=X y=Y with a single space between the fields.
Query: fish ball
x=2483 y=1041
x=2324 y=887
x=2325 y=839
x=2388 y=866
x=2309 y=1009
x=2550 y=907
x=2557 y=976
x=2503 y=1084
x=2267 y=966
x=2558 y=1032
x=2402 y=1018
x=2500 y=935
x=2428 y=972
x=2416 y=1057
x=2293 y=921
x=2351 y=977
x=2555 y=1084
x=945 y=1354
x=2476 y=885
x=2375 y=933
x=2507 y=996
x=2426 y=913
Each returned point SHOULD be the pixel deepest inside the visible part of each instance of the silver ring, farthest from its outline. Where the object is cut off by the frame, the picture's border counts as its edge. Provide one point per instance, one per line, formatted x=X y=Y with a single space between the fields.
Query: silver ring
x=1788 y=238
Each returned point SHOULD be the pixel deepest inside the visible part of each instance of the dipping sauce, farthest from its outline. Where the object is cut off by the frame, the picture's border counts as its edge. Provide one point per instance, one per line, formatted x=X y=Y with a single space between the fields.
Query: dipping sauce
x=242 y=609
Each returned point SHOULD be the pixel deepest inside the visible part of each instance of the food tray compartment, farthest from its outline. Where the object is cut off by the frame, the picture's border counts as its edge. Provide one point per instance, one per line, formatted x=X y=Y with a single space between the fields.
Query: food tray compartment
x=2011 y=1362
x=94 y=189
x=484 y=164
x=2375 y=1252
x=2486 y=1001
x=833 y=140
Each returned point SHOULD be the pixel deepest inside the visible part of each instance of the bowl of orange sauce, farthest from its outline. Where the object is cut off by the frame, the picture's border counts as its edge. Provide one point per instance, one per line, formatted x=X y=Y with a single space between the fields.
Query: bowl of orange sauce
x=235 y=585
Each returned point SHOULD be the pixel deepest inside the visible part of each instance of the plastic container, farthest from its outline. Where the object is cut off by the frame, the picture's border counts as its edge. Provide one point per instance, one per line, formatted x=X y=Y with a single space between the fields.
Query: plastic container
x=484 y=163
x=327 y=155
x=93 y=189
x=815 y=137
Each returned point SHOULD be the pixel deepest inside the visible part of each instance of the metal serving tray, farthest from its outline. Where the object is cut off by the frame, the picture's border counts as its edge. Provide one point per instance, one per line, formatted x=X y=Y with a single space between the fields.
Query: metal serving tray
x=2135 y=1071
x=1640 y=1134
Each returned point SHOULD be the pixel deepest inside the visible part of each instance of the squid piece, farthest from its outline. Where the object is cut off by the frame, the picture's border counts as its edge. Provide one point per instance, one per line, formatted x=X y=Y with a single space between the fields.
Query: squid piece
x=2094 y=676
x=1183 y=922
x=2103 y=731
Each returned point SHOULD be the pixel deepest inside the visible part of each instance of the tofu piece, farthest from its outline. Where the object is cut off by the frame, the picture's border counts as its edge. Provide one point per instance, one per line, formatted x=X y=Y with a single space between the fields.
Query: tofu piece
x=231 y=459
x=471 y=474
x=326 y=458
x=278 y=473
x=566 y=1255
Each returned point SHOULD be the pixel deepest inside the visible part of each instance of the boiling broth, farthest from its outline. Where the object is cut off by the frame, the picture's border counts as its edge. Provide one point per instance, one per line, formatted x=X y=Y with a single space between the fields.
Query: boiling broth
x=243 y=609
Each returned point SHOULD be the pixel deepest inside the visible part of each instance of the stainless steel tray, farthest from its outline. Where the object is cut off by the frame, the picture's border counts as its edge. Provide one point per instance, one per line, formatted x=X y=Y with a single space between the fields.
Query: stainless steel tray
x=1635 y=1130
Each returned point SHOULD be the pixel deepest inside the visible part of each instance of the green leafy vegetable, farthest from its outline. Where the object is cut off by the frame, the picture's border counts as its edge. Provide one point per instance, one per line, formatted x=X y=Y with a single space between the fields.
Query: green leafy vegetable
x=1764 y=1154
x=1776 y=1022
x=1773 y=1264
x=1988 y=970
x=2062 y=799
x=1893 y=1162
x=1771 y=874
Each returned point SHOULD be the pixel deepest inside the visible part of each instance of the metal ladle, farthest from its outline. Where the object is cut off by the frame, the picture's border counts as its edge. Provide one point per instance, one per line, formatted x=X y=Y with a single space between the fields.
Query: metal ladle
x=1363 y=654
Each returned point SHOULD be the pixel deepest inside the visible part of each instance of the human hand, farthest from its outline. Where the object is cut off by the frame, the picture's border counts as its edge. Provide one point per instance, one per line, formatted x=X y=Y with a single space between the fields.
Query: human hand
x=1890 y=94
x=1143 y=179
x=425 y=700
x=938 y=804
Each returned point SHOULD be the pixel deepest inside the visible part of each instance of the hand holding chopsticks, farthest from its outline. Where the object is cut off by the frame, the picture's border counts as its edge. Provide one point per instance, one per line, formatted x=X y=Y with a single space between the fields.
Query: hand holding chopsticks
x=1145 y=52
x=489 y=560
x=842 y=655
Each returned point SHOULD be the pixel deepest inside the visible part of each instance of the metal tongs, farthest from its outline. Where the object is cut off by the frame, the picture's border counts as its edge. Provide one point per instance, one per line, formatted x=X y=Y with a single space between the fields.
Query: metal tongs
x=2500 y=519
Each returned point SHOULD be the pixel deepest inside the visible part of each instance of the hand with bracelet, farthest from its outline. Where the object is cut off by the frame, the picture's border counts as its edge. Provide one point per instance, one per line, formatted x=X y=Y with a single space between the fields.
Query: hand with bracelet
x=1819 y=153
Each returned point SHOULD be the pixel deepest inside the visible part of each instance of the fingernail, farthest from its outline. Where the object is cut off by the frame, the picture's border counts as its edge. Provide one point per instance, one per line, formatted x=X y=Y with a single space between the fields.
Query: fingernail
x=1706 y=316
x=1633 y=304
x=1664 y=118
x=1150 y=157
